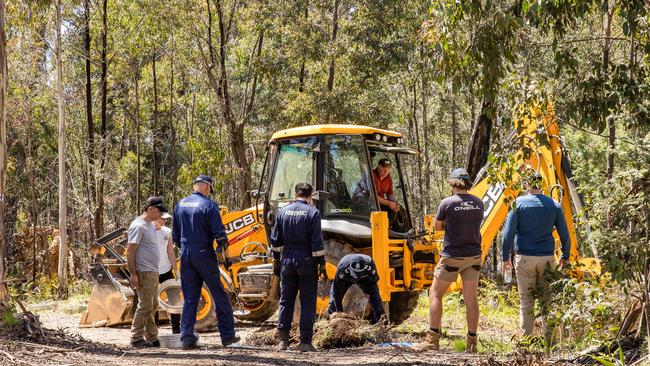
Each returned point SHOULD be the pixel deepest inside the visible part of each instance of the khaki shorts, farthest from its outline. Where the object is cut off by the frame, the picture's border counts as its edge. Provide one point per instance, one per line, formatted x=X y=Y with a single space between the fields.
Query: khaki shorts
x=449 y=268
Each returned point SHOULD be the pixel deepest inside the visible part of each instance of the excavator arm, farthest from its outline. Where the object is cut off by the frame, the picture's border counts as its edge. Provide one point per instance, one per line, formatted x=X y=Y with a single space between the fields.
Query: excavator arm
x=539 y=147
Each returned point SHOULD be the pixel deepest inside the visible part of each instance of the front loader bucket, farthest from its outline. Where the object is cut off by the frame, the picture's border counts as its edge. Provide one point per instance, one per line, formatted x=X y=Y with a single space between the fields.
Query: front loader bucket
x=111 y=302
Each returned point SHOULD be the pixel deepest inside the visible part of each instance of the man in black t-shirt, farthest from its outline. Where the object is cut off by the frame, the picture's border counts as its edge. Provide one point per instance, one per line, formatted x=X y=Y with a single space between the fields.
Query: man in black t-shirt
x=460 y=216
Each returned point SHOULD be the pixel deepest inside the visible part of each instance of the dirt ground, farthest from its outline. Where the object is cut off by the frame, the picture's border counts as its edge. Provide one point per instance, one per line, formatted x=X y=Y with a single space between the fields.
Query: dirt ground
x=110 y=347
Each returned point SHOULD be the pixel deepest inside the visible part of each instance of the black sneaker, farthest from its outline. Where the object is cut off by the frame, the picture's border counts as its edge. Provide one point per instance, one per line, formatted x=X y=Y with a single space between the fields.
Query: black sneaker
x=141 y=343
x=230 y=341
x=189 y=346
x=155 y=344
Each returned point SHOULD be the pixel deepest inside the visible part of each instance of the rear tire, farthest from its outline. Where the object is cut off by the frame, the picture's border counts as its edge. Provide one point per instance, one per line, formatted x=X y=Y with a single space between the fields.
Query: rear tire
x=401 y=305
x=206 y=317
x=259 y=312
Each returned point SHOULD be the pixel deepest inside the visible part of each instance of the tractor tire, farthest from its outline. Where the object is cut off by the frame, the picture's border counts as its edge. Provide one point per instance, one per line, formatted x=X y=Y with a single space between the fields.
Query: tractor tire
x=206 y=317
x=259 y=311
x=401 y=305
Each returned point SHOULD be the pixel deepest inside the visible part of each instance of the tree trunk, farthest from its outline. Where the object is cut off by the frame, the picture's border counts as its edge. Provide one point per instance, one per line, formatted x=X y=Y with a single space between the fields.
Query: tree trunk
x=90 y=181
x=479 y=147
x=154 y=129
x=425 y=143
x=32 y=185
x=3 y=153
x=301 y=84
x=335 y=29
x=611 y=126
x=172 y=125
x=99 y=210
x=249 y=108
x=138 y=172
x=220 y=86
x=421 y=201
x=123 y=135
x=62 y=269
x=454 y=130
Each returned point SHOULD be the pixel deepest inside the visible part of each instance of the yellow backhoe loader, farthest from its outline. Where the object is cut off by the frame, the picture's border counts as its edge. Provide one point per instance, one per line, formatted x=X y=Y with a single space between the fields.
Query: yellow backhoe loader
x=338 y=160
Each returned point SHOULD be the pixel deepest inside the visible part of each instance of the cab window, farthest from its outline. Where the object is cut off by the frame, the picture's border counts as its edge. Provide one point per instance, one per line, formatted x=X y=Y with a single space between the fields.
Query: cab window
x=347 y=178
x=294 y=164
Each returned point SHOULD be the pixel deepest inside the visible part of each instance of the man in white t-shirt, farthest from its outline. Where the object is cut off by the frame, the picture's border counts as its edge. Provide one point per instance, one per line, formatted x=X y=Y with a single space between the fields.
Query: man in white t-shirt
x=166 y=267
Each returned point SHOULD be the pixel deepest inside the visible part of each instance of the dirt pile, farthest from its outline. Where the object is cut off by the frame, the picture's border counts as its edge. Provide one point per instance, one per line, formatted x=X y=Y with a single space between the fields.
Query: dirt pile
x=344 y=330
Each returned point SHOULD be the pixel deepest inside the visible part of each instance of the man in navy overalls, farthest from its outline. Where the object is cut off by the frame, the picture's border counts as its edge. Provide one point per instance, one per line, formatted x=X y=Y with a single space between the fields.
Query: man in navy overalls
x=197 y=224
x=298 y=252
x=356 y=269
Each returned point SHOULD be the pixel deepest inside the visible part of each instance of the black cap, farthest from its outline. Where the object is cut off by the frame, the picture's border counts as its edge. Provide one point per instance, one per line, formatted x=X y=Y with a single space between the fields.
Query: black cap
x=205 y=179
x=384 y=162
x=155 y=202
x=459 y=173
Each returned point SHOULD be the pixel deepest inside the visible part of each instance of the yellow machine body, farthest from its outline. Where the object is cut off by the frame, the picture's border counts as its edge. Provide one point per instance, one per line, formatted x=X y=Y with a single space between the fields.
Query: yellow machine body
x=405 y=261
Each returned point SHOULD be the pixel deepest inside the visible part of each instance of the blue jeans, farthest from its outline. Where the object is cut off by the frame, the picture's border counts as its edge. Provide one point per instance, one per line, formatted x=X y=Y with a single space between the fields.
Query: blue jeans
x=199 y=264
x=298 y=275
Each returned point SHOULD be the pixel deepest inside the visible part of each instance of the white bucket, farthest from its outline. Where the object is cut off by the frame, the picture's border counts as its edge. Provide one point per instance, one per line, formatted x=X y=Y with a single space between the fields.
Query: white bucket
x=172 y=340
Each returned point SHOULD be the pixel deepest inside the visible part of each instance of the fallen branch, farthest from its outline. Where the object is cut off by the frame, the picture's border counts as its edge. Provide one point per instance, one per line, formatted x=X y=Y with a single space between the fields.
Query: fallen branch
x=31 y=318
x=7 y=355
x=51 y=348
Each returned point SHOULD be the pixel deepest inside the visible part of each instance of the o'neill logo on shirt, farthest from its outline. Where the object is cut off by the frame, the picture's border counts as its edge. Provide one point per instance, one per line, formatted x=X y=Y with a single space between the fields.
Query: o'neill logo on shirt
x=240 y=223
x=466 y=206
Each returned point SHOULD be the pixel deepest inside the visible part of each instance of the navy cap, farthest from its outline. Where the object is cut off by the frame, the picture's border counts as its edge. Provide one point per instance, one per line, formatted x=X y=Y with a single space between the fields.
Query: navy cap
x=459 y=173
x=205 y=179
x=155 y=202
x=385 y=162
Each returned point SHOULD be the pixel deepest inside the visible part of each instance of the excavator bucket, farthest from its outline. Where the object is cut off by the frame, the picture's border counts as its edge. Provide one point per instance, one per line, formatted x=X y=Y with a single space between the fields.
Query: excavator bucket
x=112 y=301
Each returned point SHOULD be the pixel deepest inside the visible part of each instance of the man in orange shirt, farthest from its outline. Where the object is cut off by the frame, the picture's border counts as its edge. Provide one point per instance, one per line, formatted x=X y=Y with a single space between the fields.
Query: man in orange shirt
x=384 y=188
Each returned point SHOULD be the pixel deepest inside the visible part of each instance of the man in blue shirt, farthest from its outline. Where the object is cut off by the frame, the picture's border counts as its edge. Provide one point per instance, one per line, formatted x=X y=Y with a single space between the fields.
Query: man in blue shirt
x=197 y=224
x=298 y=251
x=530 y=227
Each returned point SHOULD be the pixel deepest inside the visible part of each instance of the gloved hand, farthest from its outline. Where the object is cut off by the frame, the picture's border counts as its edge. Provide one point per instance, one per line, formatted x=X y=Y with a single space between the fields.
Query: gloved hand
x=320 y=261
x=227 y=263
x=222 y=256
x=322 y=272
x=277 y=266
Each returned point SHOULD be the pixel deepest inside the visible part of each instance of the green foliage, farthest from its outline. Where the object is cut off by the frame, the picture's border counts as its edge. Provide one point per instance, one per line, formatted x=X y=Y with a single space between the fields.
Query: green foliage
x=8 y=318
x=581 y=312
x=617 y=359
x=458 y=345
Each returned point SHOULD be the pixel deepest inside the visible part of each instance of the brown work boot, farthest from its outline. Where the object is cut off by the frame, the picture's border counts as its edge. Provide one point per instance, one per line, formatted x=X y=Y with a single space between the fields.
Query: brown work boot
x=431 y=342
x=471 y=344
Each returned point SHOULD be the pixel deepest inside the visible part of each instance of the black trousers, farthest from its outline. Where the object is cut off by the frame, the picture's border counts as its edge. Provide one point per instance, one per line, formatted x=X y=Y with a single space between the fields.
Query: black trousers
x=174 y=319
x=391 y=214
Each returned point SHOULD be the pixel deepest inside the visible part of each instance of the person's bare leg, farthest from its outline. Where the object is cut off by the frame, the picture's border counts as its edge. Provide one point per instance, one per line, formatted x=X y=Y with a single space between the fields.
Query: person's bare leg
x=437 y=292
x=470 y=295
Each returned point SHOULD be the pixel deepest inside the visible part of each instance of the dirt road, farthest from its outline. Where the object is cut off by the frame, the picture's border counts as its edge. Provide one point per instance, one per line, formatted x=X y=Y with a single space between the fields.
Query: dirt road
x=117 y=352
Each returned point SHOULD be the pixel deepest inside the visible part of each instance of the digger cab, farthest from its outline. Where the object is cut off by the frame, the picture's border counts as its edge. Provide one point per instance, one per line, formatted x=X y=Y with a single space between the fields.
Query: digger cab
x=339 y=161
